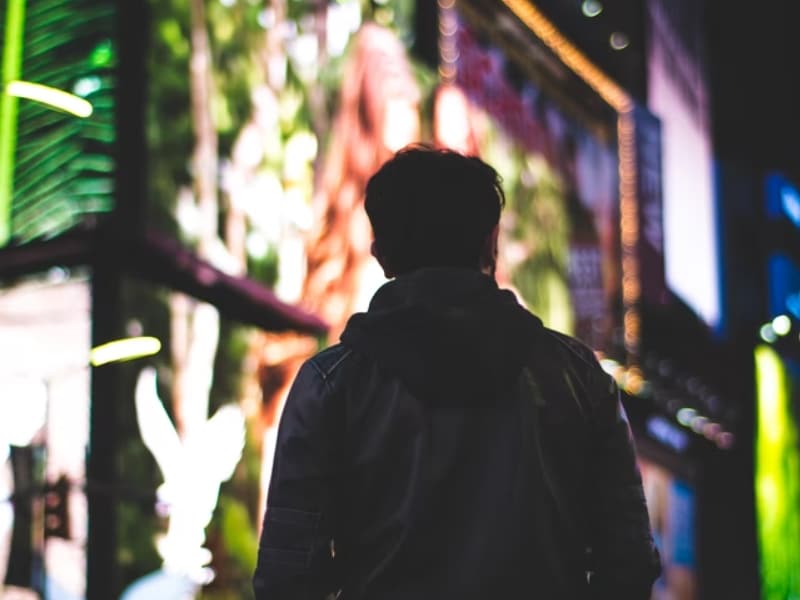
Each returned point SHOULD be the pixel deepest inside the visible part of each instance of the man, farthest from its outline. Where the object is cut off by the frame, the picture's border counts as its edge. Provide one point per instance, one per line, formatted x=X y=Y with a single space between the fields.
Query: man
x=451 y=446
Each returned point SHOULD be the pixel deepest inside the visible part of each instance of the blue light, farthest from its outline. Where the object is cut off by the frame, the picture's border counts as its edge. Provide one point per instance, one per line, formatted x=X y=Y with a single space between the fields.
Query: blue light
x=790 y=201
x=666 y=433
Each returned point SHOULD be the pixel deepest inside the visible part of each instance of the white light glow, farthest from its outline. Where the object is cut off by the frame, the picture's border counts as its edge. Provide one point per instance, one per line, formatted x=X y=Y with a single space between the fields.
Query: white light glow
x=87 y=85
x=619 y=40
x=301 y=149
x=402 y=123
x=685 y=416
x=193 y=468
x=609 y=365
x=767 y=333
x=23 y=409
x=304 y=52
x=591 y=8
x=782 y=324
x=340 y=24
x=267 y=18
x=51 y=97
x=257 y=245
x=690 y=232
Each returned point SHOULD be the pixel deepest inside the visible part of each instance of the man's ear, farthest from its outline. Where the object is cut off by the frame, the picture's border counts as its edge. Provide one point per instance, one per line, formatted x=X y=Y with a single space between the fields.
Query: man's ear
x=388 y=272
x=489 y=253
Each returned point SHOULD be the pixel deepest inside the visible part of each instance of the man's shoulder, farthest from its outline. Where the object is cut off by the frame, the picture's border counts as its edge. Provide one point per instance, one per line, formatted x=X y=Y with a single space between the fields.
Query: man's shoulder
x=326 y=362
x=571 y=347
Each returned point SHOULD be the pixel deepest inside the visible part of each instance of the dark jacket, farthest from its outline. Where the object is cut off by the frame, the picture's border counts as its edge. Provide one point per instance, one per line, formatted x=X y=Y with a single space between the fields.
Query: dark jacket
x=453 y=447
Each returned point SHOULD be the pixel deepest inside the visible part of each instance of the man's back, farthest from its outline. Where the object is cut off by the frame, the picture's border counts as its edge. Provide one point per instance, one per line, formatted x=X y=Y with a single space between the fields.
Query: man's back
x=452 y=447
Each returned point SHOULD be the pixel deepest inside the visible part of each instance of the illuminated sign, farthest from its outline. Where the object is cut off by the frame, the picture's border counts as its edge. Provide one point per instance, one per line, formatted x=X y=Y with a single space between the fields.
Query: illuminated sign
x=677 y=95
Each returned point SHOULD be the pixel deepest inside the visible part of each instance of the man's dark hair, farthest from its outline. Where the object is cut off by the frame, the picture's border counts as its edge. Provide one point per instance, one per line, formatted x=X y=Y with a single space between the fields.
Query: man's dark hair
x=433 y=208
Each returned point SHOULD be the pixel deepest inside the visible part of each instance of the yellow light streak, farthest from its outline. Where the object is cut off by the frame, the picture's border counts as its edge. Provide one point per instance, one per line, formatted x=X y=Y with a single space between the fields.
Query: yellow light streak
x=49 y=96
x=124 y=349
x=629 y=232
x=570 y=55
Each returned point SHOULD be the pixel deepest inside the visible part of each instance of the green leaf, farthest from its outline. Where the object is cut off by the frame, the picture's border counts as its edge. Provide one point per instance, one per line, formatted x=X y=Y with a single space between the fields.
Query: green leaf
x=238 y=533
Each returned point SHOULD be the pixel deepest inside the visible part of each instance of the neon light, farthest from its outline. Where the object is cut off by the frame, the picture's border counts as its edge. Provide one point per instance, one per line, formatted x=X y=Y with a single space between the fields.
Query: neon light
x=12 y=67
x=51 y=97
x=777 y=480
x=124 y=349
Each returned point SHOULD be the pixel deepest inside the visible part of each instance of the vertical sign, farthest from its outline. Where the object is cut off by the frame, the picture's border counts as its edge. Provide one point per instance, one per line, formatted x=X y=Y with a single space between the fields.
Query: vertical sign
x=649 y=194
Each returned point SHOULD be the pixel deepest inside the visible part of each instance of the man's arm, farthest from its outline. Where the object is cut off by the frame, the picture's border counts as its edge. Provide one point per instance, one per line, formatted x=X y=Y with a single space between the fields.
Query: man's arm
x=625 y=559
x=294 y=556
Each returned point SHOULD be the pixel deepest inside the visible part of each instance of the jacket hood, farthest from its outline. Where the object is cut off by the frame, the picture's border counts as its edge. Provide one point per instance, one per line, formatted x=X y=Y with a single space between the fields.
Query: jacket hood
x=450 y=335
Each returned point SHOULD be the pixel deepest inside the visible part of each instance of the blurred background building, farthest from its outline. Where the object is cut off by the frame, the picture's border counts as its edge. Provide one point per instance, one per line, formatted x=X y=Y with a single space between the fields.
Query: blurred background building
x=184 y=177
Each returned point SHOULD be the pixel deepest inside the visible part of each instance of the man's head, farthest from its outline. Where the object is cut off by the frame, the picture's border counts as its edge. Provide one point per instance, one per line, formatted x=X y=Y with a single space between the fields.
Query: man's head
x=434 y=208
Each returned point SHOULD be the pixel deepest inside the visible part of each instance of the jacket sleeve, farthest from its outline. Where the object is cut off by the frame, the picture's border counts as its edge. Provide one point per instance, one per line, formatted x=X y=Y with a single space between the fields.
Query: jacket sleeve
x=624 y=557
x=295 y=550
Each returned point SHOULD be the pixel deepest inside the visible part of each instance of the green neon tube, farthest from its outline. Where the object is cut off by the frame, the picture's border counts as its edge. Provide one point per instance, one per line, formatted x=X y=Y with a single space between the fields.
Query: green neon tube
x=12 y=67
x=777 y=480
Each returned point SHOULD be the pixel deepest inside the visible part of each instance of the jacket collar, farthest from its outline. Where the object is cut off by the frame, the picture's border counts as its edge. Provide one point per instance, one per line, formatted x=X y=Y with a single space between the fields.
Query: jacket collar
x=451 y=335
x=434 y=287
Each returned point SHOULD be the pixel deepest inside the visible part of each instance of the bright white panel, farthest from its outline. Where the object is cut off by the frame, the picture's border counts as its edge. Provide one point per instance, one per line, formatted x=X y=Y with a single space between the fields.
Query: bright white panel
x=676 y=92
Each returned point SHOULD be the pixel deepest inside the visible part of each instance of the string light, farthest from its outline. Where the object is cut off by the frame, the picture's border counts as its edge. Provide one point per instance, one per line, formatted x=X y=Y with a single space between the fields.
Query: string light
x=570 y=55
x=629 y=232
x=632 y=380
x=448 y=50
